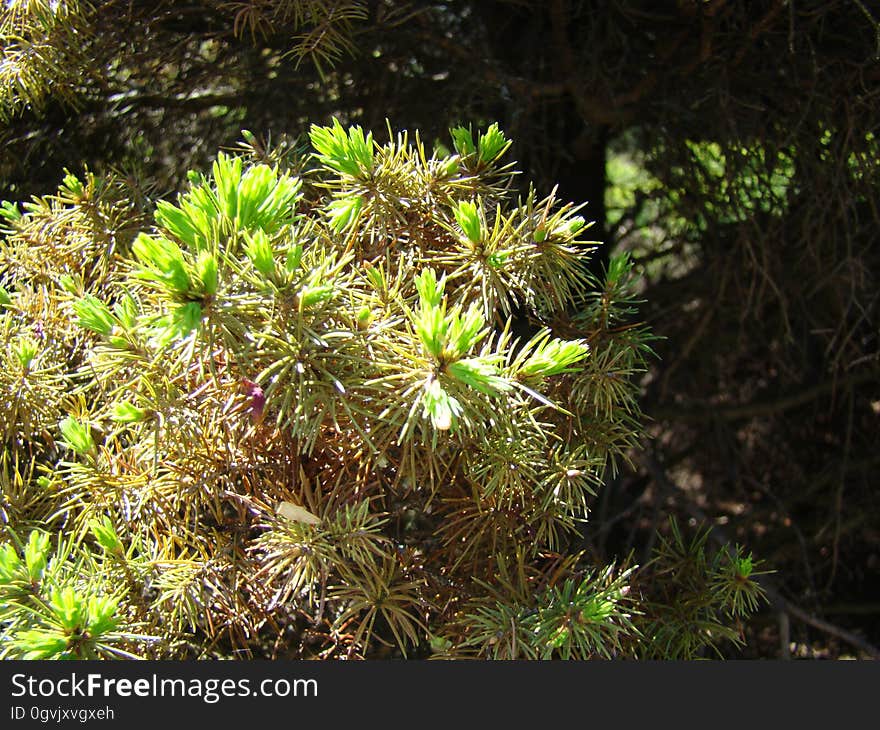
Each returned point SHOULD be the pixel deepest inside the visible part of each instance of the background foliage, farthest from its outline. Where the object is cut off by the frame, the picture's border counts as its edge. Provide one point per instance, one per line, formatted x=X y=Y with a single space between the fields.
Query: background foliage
x=730 y=147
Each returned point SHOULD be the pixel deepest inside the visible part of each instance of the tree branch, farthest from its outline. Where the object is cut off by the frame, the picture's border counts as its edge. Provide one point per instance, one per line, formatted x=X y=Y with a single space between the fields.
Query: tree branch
x=126 y=100
x=768 y=407
x=777 y=600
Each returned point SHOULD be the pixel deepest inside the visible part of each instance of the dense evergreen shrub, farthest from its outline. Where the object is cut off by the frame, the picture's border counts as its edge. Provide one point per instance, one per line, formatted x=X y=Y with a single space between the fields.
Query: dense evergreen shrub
x=339 y=402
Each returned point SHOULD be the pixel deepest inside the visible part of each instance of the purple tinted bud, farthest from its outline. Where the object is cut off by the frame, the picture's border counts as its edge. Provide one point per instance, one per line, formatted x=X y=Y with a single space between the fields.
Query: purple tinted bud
x=257 y=398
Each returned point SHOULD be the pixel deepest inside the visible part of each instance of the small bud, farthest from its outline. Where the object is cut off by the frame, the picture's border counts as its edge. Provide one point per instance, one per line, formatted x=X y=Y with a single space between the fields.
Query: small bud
x=25 y=351
x=105 y=534
x=259 y=251
x=69 y=284
x=364 y=317
x=126 y=412
x=293 y=258
x=469 y=219
x=257 y=398
x=575 y=224
x=94 y=315
x=312 y=295
x=206 y=270
x=463 y=140
x=73 y=184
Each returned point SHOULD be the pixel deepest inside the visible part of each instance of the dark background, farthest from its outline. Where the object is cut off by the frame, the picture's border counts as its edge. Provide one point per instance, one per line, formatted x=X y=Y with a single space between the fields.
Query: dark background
x=731 y=146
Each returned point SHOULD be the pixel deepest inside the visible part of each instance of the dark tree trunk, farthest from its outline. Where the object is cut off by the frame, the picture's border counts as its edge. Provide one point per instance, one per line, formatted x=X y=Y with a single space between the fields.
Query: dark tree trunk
x=574 y=149
x=581 y=178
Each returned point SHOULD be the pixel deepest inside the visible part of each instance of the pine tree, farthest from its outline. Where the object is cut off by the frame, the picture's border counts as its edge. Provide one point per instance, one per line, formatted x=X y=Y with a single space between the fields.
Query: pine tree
x=287 y=414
